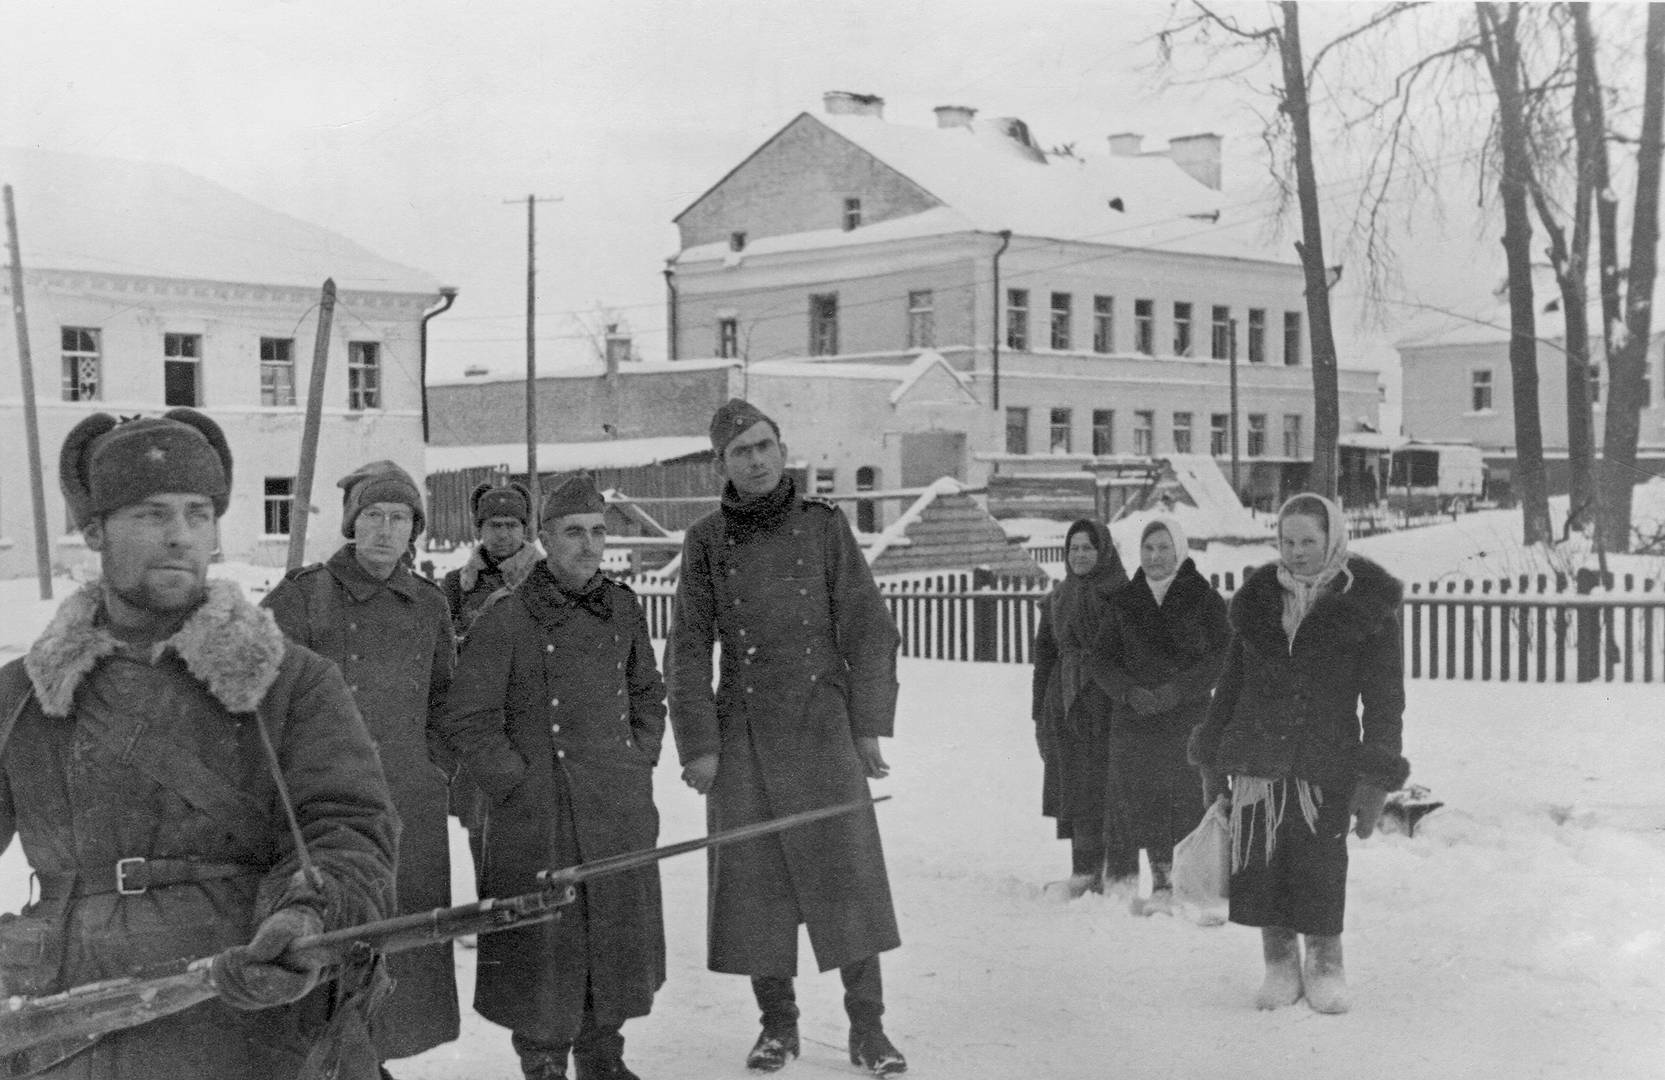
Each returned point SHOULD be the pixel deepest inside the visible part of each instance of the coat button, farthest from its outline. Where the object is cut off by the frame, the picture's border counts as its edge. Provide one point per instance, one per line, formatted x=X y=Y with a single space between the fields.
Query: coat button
x=751 y=648
x=748 y=689
x=812 y=678
x=554 y=701
x=560 y=753
x=554 y=728
x=549 y=648
x=621 y=665
x=742 y=631
x=736 y=601
x=624 y=717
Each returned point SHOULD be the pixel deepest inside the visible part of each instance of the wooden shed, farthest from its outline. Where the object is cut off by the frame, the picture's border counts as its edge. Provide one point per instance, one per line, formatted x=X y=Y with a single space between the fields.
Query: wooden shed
x=947 y=529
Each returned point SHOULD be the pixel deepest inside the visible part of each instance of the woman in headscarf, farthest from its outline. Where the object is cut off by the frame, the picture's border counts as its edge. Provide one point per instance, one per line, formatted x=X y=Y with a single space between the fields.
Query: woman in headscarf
x=1306 y=721
x=1156 y=656
x=1072 y=715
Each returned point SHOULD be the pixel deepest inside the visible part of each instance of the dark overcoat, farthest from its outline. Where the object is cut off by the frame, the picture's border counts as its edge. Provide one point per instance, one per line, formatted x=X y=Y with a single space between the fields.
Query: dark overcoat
x=392 y=640
x=1174 y=650
x=469 y=586
x=558 y=713
x=120 y=753
x=1071 y=711
x=808 y=665
x=1326 y=708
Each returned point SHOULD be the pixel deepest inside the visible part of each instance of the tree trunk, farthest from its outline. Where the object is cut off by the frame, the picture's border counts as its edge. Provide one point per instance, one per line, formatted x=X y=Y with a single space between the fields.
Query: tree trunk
x=1627 y=354
x=1326 y=421
x=1498 y=26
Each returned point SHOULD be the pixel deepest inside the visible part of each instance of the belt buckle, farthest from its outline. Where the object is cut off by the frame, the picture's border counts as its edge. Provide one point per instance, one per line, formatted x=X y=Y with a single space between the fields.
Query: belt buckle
x=122 y=867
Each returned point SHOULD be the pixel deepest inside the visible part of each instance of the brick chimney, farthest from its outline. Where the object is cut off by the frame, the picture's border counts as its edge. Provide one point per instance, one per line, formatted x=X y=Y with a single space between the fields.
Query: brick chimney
x=1125 y=144
x=846 y=103
x=1198 y=155
x=954 y=116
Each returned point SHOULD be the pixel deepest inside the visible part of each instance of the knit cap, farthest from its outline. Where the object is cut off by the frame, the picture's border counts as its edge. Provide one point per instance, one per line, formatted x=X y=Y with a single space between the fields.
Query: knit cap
x=377 y=482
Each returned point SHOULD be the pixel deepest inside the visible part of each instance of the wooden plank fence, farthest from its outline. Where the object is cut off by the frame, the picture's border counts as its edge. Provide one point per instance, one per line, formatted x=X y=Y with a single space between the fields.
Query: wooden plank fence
x=1536 y=628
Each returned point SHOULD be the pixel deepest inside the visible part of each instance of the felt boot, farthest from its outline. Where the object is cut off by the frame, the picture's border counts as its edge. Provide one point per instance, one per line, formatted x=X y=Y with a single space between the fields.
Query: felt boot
x=1325 y=978
x=1282 y=985
x=871 y=1050
x=772 y=1049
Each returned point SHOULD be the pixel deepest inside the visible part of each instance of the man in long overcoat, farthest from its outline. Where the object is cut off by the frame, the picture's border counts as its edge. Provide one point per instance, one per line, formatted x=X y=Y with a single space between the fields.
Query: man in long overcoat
x=134 y=769
x=390 y=632
x=558 y=713
x=808 y=686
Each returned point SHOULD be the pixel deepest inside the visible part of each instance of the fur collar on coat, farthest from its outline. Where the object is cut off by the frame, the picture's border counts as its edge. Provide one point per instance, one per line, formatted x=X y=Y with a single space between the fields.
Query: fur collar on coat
x=234 y=648
x=1342 y=613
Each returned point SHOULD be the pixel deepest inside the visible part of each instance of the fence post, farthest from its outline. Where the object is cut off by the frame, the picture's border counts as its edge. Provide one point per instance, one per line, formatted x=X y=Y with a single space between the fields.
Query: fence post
x=1589 y=630
x=985 y=616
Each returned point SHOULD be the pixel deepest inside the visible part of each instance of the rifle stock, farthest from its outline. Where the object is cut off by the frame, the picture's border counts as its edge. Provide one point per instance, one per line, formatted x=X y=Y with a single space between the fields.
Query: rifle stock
x=65 y=1023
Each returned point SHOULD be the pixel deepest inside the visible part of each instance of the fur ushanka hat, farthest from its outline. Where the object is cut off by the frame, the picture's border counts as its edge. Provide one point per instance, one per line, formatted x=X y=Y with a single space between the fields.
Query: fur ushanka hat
x=106 y=463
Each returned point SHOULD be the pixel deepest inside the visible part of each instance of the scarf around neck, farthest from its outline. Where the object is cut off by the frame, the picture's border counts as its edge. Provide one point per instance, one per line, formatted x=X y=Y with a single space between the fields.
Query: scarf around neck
x=747 y=517
x=1301 y=592
x=1176 y=534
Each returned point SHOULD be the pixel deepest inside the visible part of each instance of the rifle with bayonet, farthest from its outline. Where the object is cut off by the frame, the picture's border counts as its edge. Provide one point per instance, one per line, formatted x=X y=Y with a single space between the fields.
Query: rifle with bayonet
x=68 y=1021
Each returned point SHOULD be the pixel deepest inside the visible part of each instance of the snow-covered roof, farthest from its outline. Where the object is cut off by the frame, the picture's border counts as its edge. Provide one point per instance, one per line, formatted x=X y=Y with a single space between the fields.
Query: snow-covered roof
x=1487 y=322
x=987 y=182
x=588 y=369
x=905 y=376
x=566 y=457
x=114 y=216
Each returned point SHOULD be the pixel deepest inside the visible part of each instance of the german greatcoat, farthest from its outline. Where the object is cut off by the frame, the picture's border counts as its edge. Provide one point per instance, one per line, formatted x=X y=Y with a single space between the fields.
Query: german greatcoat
x=153 y=758
x=558 y=713
x=1172 y=650
x=1326 y=708
x=808 y=665
x=392 y=641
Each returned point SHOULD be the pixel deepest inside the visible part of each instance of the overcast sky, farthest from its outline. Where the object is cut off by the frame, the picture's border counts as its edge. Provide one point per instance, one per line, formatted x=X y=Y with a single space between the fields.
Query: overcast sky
x=407 y=126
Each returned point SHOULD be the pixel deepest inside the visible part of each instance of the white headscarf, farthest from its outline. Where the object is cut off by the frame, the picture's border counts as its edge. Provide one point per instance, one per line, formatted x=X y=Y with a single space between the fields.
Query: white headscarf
x=1159 y=588
x=1299 y=592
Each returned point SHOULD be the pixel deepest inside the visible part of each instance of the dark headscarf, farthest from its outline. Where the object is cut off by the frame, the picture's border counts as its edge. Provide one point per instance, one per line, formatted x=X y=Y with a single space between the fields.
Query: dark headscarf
x=1080 y=600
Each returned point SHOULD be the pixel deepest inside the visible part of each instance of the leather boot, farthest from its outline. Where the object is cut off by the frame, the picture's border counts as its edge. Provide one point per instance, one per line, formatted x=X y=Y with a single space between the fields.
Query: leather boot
x=1281 y=949
x=1326 y=980
x=540 y=1060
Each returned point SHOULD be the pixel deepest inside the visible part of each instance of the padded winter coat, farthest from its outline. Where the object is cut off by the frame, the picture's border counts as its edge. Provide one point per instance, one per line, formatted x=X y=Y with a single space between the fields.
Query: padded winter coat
x=558 y=712
x=392 y=641
x=118 y=755
x=1327 y=708
x=808 y=664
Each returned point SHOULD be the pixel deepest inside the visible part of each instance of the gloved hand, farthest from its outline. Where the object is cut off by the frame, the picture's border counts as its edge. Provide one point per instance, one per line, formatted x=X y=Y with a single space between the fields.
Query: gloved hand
x=1142 y=700
x=872 y=759
x=497 y=772
x=251 y=977
x=1366 y=808
x=701 y=773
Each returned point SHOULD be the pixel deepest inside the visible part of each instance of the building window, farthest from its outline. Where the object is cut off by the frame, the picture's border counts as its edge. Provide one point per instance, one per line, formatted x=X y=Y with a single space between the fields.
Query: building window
x=1059 y=434
x=1017 y=318
x=1182 y=329
x=182 y=369
x=1595 y=384
x=83 y=367
x=1144 y=432
x=826 y=481
x=1292 y=435
x=1257 y=335
x=728 y=338
x=852 y=214
x=1292 y=338
x=1182 y=433
x=1219 y=434
x=1144 y=327
x=1219 y=339
x=1480 y=390
x=279 y=505
x=737 y=241
x=1257 y=435
x=364 y=375
x=1060 y=320
x=1104 y=431
x=277 y=371
x=922 y=320
x=1104 y=324
x=867 y=511
x=823 y=324
x=1017 y=431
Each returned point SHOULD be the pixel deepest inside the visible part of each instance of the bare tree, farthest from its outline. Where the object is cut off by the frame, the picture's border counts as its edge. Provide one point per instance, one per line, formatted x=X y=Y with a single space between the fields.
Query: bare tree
x=1627 y=340
x=1500 y=46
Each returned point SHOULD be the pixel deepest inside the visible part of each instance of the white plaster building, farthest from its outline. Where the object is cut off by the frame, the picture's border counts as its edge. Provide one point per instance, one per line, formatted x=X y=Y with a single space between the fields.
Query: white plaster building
x=148 y=287
x=1090 y=301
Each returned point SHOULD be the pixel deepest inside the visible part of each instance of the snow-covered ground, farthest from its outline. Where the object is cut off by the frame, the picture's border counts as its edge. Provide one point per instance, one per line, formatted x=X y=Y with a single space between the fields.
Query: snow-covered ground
x=1519 y=934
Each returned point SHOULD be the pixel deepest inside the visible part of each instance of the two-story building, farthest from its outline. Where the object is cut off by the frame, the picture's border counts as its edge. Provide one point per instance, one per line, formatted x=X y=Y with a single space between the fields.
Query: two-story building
x=1459 y=386
x=146 y=287
x=1091 y=303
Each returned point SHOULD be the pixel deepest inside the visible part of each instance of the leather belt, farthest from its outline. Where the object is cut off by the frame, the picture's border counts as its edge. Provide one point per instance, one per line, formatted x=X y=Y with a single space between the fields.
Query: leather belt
x=137 y=875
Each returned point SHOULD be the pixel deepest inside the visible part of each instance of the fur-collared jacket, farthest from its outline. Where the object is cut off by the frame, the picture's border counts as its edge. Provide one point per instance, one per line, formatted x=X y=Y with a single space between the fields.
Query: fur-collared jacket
x=469 y=586
x=1327 y=707
x=1173 y=649
x=152 y=758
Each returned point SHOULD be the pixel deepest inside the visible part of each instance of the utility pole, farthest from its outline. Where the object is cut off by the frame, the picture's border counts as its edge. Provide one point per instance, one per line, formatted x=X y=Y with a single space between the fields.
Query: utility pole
x=31 y=429
x=1232 y=352
x=301 y=508
x=532 y=353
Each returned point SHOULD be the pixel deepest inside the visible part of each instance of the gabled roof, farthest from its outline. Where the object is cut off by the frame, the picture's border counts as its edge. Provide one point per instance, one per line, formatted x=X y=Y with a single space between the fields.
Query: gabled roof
x=905 y=377
x=570 y=456
x=113 y=216
x=988 y=182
